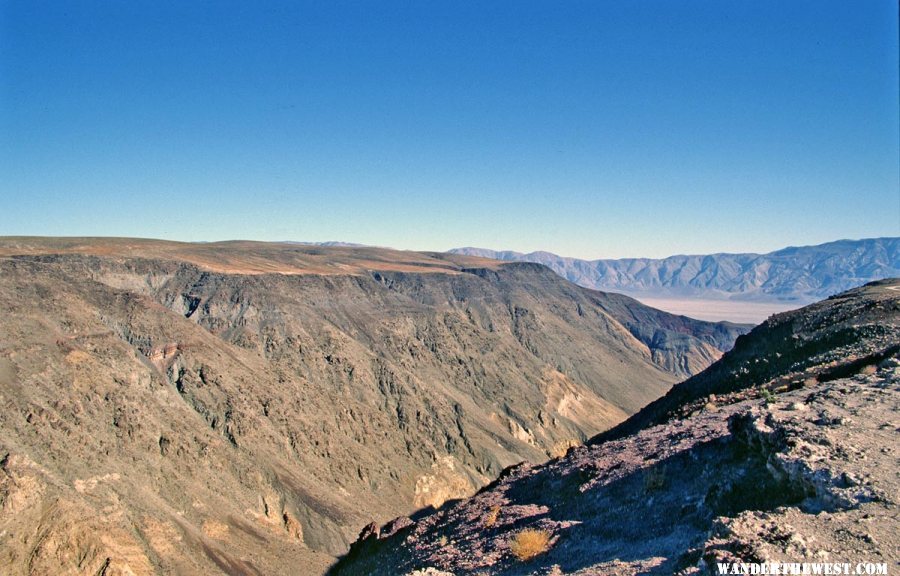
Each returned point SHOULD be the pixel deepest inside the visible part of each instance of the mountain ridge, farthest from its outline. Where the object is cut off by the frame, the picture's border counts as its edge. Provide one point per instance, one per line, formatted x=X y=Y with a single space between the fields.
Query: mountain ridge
x=800 y=274
x=247 y=407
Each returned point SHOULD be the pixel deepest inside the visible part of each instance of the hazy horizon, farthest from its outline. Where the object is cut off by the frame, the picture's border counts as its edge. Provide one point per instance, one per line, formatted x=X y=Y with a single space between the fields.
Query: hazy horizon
x=589 y=130
x=350 y=243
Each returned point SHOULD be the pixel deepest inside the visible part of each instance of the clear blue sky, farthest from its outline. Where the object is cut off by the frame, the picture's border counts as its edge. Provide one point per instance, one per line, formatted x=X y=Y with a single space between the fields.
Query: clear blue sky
x=592 y=128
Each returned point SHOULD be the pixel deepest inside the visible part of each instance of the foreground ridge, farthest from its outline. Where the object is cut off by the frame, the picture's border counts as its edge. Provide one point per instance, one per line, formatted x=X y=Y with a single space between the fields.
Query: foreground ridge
x=792 y=464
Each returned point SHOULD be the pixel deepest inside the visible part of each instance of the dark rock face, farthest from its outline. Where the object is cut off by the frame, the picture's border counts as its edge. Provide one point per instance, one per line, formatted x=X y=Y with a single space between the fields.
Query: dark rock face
x=248 y=408
x=756 y=470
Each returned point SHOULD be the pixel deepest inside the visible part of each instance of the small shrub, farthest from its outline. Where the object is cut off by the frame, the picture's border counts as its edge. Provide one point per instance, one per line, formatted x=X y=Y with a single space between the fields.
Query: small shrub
x=491 y=517
x=530 y=543
x=869 y=370
x=767 y=395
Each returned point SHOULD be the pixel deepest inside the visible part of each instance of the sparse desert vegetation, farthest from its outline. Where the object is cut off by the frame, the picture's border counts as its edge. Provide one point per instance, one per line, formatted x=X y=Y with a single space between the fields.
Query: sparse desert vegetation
x=491 y=517
x=529 y=543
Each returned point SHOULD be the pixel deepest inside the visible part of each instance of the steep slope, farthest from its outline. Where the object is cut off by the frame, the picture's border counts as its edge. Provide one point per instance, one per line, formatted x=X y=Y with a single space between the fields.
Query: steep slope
x=821 y=342
x=247 y=407
x=798 y=473
x=797 y=274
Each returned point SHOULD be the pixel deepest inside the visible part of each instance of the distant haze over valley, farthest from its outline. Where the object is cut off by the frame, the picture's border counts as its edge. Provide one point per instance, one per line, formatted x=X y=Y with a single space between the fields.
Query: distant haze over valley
x=737 y=287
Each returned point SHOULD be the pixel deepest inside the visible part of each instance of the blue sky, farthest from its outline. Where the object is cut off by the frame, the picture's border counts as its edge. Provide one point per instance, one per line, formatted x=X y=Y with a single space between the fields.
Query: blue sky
x=586 y=128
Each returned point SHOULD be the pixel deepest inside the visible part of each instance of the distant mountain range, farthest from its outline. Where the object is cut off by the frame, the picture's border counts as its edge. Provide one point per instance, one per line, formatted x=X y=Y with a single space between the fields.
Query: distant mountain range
x=330 y=244
x=796 y=274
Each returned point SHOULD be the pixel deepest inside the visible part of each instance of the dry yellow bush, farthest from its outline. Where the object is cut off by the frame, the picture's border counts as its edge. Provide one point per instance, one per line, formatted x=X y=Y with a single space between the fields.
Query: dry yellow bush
x=491 y=517
x=529 y=543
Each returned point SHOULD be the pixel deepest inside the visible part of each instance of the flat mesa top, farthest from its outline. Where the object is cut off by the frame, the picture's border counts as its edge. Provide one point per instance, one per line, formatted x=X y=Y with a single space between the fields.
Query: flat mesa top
x=249 y=257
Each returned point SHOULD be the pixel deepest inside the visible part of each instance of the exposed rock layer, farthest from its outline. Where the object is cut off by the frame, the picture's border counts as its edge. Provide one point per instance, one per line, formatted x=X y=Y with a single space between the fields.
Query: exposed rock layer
x=246 y=407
